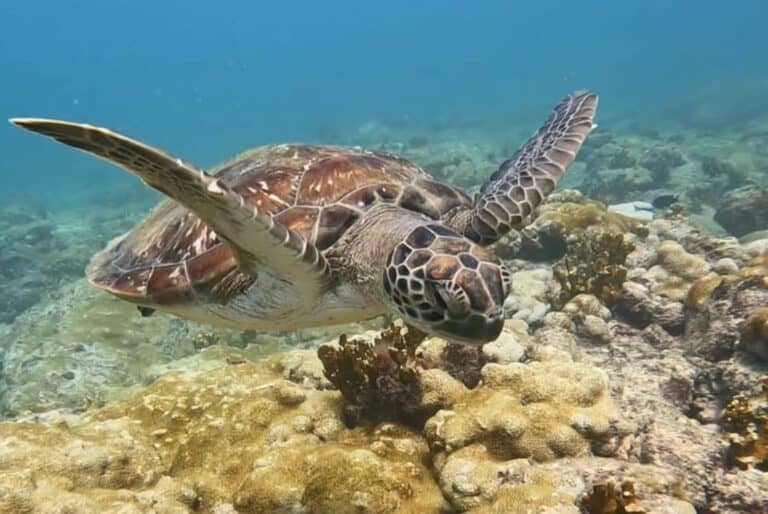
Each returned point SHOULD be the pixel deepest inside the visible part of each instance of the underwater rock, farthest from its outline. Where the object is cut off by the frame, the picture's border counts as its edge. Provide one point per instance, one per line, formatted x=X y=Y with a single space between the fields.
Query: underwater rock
x=562 y=217
x=464 y=362
x=42 y=251
x=741 y=492
x=583 y=305
x=752 y=237
x=631 y=165
x=100 y=342
x=32 y=261
x=478 y=484
x=242 y=438
x=661 y=161
x=510 y=346
x=744 y=210
x=304 y=368
x=613 y=169
x=475 y=482
x=724 y=313
x=611 y=498
x=589 y=317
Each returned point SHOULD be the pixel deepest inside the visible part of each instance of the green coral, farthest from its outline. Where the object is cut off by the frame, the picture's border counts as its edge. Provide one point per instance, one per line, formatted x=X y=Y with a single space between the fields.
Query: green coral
x=593 y=264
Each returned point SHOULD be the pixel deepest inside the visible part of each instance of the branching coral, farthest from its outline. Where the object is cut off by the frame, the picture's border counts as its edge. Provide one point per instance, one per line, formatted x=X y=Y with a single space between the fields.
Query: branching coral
x=378 y=380
x=746 y=424
x=610 y=498
x=594 y=264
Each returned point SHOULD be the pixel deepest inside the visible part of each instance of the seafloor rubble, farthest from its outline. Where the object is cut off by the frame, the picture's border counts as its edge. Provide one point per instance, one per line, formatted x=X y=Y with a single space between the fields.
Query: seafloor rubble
x=630 y=377
x=43 y=249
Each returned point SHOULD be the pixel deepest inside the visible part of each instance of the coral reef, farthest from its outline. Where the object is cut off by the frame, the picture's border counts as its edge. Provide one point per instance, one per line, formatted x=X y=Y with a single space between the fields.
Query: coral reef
x=620 y=166
x=745 y=422
x=378 y=379
x=241 y=438
x=272 y=437
x=457 y=161
x=674 y=271
x=43 y=248
x=726 y=313
x=562 y=217
x=84 y=347
x=610 y=498
x=237 y=438
x=542 y=411
x=753 y=333
x=641 y=392
x=660 y=162
x=593 y=264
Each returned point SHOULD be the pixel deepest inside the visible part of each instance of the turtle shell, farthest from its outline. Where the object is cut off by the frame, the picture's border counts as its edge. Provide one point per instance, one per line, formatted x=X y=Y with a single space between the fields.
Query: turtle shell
x=320 y=192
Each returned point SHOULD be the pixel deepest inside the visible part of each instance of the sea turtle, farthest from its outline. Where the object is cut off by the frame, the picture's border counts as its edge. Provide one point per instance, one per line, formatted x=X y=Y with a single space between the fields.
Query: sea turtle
x=292 y=236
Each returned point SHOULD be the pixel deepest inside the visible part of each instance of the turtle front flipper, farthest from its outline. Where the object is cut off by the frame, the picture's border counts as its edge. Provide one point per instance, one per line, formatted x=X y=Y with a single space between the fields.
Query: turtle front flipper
x=523 y=181
x=257 y=240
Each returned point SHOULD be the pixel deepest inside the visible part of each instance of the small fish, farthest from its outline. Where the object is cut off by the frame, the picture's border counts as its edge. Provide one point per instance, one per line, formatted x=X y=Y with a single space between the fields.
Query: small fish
x=664 y=201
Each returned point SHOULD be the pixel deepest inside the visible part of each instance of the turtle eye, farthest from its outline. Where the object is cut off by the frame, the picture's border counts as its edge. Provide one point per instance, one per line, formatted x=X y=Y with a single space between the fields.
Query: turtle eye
x=451 y=297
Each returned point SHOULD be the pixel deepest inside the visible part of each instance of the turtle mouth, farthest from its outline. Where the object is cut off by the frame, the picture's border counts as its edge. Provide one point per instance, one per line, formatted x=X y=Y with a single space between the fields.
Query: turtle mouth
x=475 y=329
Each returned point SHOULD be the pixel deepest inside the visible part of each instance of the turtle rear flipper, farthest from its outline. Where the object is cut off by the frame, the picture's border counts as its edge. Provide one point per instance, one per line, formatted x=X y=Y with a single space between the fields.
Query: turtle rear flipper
x=524 y=180
x=258 y=242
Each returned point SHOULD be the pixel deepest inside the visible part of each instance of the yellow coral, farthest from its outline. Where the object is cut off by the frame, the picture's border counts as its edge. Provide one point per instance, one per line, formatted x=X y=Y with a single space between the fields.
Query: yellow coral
x=700 y=291
x=541 y=411
x=573 y=217
x=610 y=498
x=746 y=425
x=675 y=271
x=754 y=329
x=238 y=436
x=593 y=264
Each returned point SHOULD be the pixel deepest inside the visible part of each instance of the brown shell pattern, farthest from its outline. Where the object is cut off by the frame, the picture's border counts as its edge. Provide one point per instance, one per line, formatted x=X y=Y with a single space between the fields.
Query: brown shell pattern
x=319 y=192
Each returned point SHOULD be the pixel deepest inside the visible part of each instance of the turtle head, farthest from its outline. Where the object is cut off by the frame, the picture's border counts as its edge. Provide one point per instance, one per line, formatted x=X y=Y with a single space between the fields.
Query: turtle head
x=444 y=284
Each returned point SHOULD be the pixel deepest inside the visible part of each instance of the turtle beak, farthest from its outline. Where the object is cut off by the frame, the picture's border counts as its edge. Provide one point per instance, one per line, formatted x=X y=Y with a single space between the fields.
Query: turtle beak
x=476 y=329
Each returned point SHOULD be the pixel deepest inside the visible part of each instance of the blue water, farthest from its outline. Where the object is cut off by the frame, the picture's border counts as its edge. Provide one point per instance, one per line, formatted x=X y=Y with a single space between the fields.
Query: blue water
x=206 y=81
